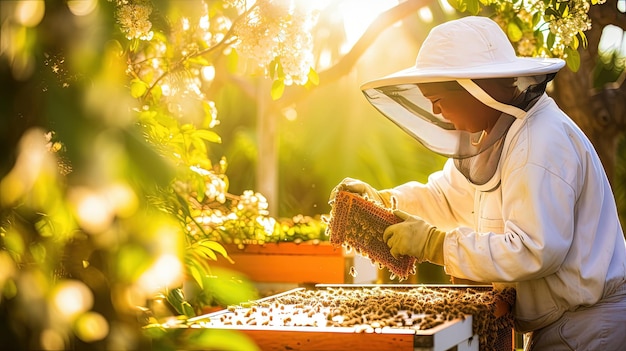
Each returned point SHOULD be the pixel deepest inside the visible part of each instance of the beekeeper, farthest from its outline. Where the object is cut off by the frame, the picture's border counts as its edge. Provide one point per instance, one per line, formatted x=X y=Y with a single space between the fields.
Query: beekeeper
x=523 y=198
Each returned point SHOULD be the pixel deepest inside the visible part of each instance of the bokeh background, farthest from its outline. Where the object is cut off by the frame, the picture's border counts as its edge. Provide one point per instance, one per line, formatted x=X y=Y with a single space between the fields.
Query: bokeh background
x=138 y=138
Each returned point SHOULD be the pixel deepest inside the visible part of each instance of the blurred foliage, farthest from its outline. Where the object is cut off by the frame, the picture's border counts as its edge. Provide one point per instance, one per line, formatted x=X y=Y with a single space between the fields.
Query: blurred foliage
x=550 y=28
x=609 y=70
x=114 y=194
x=108 y=185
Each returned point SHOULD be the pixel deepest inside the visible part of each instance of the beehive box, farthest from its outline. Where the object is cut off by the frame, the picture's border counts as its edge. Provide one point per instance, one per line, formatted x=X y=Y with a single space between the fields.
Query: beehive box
x=373 y=317
x=289 y=262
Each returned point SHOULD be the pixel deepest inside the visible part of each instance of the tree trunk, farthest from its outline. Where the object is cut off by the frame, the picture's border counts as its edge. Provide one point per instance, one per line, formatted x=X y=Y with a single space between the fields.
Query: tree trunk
x=601 y=113
x=267 y=146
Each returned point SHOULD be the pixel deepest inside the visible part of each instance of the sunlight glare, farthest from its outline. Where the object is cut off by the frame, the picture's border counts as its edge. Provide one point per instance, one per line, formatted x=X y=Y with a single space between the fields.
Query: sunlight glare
x=71 y=298
x=30 y=13
x=91 y=326
x=51 y=339
x=208 y=73
x=166 y=90
x=82 y=7
x=165 y=272
x=359 y=14
x=204 y=23
x=447 y=8
x=425 y=14
x=290 y=113
x=93 y=210
x=122 y=199
x=612 y=39
x=33 y=161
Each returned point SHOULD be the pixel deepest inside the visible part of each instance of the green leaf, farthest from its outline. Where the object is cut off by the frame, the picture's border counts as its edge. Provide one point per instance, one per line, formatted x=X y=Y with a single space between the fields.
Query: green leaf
x=520 y=23
x=572 y=59
x=217 y=247
x=13 y=241
x=514 y=32
x=551 y=40
x=539 y=39
x=205 y=251
x=199 y=146
x=208 y=135
x=138 y=88
x=564 y=9
x=473 y=7
x=175 y=297
x=230 y=287
x=134 y=45
x=550 y=14
x=156 y=93
x=583 y=38
x=273 y=67
x=280 y=73
x=536 y=18
x=196 y=273
x=278 y=88
x=154 y=331
x=314 y=78
x=575 y=43
x=132 y=260
x=232 y=60
x=458 y=5
x=187 y=309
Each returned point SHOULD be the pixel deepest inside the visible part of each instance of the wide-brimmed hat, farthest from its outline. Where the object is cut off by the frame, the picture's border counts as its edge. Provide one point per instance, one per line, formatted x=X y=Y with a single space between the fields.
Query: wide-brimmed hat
x=461 y=50
x=472 y=47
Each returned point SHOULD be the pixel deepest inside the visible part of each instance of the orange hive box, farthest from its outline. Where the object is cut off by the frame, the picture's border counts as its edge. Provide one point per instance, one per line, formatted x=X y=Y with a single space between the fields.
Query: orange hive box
x=359 y=223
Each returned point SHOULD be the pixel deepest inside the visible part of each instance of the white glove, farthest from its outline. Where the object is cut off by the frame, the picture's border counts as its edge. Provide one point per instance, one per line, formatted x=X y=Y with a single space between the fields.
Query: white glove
x=415 y=237
x=359 y=187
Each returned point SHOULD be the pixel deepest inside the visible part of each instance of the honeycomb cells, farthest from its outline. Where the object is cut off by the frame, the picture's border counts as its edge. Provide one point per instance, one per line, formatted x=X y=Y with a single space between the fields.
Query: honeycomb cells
x=359 y=223
x=371 y=310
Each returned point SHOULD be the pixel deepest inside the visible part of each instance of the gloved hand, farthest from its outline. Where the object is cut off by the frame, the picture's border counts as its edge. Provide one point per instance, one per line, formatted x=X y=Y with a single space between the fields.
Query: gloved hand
x=415 y=237
x=359 y=187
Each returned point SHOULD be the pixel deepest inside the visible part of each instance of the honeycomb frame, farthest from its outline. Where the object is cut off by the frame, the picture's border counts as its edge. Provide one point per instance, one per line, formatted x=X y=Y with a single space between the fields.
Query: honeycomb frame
x=359 y=223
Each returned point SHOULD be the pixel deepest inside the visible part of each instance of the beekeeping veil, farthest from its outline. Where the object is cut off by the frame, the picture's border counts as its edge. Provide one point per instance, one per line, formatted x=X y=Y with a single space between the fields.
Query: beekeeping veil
x=463 y=50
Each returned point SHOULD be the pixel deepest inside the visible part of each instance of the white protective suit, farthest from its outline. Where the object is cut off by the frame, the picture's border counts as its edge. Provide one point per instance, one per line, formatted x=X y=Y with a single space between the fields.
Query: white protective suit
x=550 y=227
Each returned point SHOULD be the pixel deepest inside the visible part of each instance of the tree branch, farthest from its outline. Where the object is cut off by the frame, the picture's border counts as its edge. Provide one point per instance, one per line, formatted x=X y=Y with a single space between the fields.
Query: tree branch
x=347 y=62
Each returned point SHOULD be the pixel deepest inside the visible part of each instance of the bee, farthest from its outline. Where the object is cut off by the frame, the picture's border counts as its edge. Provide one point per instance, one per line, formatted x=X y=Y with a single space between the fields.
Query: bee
x=353 y=272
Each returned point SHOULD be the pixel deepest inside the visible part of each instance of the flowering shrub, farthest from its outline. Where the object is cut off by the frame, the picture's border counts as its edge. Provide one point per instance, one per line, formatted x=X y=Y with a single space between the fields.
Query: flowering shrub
x=171 y=69
x=550 y=28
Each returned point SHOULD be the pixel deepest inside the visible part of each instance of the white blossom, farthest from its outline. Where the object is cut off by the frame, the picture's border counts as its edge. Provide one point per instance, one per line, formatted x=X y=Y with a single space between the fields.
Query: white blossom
x=575 y=21
x=134 y=19
x=279 y=30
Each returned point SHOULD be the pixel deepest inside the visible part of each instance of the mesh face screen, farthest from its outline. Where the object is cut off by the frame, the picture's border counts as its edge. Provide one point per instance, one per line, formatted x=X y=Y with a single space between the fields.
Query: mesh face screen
x=359 y=223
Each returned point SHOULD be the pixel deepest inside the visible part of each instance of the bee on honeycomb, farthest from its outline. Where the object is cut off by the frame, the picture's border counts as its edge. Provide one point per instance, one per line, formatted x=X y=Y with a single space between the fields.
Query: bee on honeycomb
x=359 y=223
x=420 y=308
